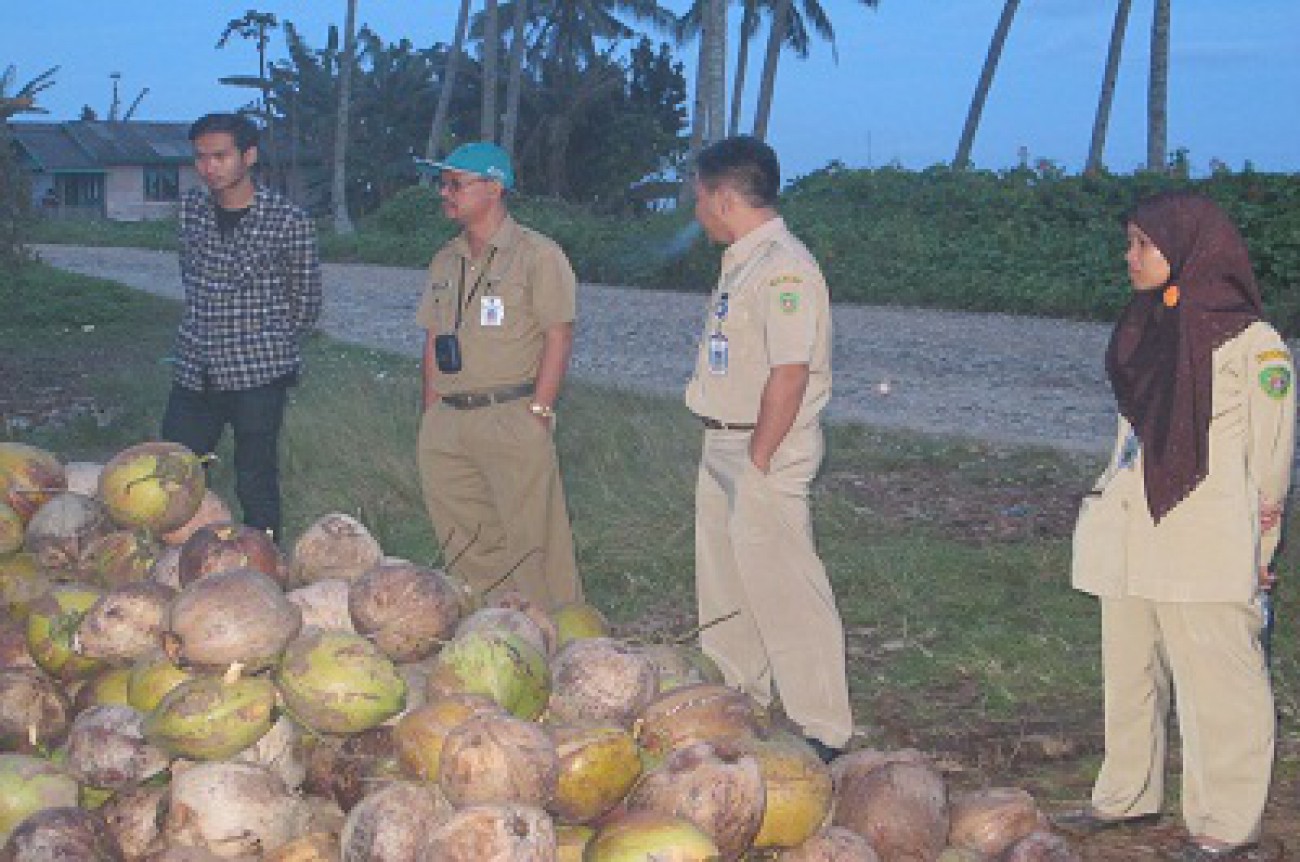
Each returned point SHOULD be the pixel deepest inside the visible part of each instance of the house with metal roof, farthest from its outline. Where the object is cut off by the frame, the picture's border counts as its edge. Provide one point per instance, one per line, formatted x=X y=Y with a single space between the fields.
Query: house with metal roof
x=121 y=170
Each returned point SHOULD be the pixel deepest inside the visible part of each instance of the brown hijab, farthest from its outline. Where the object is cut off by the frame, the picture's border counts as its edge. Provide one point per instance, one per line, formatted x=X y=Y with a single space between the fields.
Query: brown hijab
x=1160 y=356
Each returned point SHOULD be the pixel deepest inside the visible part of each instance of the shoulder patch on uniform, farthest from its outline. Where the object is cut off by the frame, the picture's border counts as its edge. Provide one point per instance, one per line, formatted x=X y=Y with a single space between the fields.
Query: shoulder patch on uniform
x=1274 y=355
x=1275 y=381
x=785 y=279
x=789 y=302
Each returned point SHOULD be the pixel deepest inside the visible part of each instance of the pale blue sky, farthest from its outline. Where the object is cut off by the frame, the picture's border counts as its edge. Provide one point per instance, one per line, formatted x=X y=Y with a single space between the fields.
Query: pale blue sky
x=898 y=94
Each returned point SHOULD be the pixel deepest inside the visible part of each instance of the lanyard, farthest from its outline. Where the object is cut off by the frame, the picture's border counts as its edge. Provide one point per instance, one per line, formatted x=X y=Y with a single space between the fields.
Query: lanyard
x=461 y=300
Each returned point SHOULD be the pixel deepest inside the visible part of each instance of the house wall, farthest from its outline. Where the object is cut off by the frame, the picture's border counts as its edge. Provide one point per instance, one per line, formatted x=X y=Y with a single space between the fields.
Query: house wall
x=124 y=194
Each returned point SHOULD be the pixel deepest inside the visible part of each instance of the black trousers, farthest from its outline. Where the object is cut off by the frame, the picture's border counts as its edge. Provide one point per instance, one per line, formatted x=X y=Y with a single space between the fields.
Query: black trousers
x=197 y=420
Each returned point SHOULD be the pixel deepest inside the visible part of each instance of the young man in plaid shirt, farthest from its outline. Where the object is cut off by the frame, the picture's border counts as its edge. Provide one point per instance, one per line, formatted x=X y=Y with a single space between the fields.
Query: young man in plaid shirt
x=252 y=280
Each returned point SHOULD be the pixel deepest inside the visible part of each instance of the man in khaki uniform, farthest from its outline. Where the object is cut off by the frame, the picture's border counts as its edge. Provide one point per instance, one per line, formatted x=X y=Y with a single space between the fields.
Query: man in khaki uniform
x=762 y=377
x=498 y=315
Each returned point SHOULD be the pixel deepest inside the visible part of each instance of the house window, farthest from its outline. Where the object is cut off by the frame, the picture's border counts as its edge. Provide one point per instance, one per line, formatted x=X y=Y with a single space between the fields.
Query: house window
x=80 y=190
x=162 y=183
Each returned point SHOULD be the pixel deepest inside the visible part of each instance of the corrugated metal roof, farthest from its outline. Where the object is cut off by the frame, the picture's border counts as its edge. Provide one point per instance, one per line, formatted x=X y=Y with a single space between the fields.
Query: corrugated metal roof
x=89 y=144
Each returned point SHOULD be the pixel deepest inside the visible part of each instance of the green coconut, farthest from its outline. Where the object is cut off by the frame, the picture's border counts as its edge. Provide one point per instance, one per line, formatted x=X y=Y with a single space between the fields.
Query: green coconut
x=642 y=835
x=210 y=718
x=155 y=486
x=578 y=620
x=11 y=529
x=500 y=665
x=52 y=629
x=337 y=682
x=28 y=785
x=152 y=676
x=597 y=767
x=109 y=687
x=28 y=478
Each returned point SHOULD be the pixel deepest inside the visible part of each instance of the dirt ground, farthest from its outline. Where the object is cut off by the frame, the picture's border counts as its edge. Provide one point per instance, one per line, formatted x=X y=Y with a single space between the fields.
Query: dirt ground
x=1047 y=751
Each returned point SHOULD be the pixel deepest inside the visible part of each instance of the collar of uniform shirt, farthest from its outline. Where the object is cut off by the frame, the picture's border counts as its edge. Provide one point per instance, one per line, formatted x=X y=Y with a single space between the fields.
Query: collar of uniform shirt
x=506 y=235
x=741 y=250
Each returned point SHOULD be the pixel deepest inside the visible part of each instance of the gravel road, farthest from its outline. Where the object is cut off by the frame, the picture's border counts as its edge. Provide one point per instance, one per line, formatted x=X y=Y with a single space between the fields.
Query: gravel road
x=993 y=377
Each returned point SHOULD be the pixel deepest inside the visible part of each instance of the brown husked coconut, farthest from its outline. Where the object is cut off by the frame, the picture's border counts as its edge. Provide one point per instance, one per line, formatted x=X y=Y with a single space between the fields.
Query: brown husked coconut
x=281 y=750
x=34 y=711
x=409 y=611
x=28 y=477
x=22 y=583
x=719 y=791
x=498 y=759
x=120 y=557
x=517 y=601
x=493 y=833
x=508 y=620
x=13 y=644
x=225 y=547
x=12 y=529
x=679 y=665
x=193 y=854
x=212 y=510
x=313 y=847
x=991 y=820
x=597 y=767
x=126 y=622
x=334 y=546
x=83 y=477
x=799 y=789
x=155 y=486
x=420 y=734
x=900 y=807
x=106 y=749
x=703 y=712
x=324 y=605
x=239 y=616
x=345 y=769
x=134 y=818
x=647 y=835
x=601 y=679
x=577 y=620
x=831 y=845
x=59 y=834
x=232 y=809
x=1042 y=847
x=61 y=531
x=392 y=823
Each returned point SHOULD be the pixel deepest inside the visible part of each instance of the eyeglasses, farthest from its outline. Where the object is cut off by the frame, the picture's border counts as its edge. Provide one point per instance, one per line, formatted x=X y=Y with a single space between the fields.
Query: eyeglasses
x=455 y=184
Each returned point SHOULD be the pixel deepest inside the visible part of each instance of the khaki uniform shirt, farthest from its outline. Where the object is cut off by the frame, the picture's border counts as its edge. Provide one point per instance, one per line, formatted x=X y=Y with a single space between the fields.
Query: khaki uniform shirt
x=772 y=306
x=1209 y=547
x=521 y=286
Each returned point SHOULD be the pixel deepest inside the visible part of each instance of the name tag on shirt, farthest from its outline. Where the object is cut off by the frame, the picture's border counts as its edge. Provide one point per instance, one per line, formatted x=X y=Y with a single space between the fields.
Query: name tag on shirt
x=492 y=312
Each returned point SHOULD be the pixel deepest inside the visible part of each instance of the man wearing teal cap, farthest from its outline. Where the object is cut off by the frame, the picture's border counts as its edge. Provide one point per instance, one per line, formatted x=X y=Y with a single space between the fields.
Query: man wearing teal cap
x=498 y=314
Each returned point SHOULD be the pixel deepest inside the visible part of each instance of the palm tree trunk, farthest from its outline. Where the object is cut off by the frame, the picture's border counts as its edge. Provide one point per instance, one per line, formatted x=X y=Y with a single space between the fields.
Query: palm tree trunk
x=962 y=159
x=700 y=104
x=766 y=88
x=748 y=23
x=514 y=82
x=491 y=42
x=717 y=70
x=1102 y=121
x=338 y=195
x=440 y=113
x=1158 y=90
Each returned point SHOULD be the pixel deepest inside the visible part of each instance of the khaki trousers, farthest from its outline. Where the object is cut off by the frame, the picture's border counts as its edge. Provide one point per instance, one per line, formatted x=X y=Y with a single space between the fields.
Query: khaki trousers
x=754 y=554
x=1209 y=655
x=492 y=486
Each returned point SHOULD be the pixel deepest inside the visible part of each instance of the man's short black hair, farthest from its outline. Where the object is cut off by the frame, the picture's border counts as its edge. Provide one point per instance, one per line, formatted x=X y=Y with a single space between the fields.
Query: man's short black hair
x=238 y=126
x=746 y=164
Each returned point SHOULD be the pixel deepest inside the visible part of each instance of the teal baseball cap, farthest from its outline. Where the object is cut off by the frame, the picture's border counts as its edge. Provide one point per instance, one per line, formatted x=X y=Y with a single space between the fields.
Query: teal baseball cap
x=479 y=158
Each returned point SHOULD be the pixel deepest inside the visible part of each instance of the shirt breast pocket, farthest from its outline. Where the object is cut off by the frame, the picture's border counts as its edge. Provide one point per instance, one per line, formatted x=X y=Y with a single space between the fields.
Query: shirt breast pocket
x=501 y=309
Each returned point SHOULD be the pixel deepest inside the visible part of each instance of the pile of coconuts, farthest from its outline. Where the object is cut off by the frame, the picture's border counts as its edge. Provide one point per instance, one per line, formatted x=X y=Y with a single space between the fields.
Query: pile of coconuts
x=174 y=686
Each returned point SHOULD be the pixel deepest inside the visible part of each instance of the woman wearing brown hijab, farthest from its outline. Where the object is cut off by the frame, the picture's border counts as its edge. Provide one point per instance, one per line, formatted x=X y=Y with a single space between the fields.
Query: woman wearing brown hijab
x=1177 y=536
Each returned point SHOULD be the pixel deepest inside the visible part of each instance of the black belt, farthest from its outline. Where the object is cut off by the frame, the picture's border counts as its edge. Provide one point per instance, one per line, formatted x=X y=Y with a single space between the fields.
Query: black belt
x=715 y=425
x=488 y=397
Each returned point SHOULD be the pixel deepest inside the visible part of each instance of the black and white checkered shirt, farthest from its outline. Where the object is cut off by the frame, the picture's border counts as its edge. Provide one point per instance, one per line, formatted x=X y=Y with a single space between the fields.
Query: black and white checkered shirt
x=249 y=297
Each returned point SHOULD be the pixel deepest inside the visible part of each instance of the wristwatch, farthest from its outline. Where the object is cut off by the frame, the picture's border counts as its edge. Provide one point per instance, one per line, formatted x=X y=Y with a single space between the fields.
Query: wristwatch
x=545 y=411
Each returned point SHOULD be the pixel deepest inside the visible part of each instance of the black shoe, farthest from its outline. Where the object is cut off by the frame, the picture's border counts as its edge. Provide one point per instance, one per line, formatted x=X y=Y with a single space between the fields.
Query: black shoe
x=1194 y=851
x=1085 y=822
x=825 y=752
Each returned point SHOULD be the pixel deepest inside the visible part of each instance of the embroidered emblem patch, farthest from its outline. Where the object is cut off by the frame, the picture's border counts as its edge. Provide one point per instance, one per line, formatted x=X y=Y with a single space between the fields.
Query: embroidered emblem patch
x=1275 y=355
x=1275 y=381
x=789 y=302
x=785 y=279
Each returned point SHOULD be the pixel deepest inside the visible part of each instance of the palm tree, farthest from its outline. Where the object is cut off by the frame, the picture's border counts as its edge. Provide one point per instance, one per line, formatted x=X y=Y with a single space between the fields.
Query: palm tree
x=1158 y=90
x=748 y=27
x=491 y=46
x=256 y=26
x=1102 y=120
x=446 y=87
x=339 y=196
x=15 y=200
x=514 y=80
x=962 y=159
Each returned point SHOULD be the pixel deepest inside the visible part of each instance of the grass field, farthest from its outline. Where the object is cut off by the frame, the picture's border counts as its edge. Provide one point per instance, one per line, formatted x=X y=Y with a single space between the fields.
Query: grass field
x=963 y=634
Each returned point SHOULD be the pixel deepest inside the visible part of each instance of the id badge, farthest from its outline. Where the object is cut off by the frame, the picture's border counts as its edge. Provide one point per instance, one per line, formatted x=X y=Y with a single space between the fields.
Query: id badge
x=492 y=312
x=717 y=353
